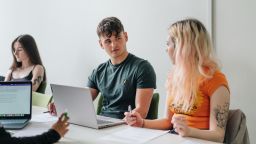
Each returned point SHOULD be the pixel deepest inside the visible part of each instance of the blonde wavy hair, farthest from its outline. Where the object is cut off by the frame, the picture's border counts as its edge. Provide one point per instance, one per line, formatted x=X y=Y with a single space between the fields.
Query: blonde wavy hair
x=194 y=59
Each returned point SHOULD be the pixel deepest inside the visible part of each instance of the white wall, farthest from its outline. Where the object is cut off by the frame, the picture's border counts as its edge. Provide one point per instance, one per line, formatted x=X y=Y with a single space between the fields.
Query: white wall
x=65 y=31
x=235 y=31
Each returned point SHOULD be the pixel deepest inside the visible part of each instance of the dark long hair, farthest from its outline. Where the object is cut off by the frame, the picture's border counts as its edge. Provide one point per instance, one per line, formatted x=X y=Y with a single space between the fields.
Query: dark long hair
x=29 y=45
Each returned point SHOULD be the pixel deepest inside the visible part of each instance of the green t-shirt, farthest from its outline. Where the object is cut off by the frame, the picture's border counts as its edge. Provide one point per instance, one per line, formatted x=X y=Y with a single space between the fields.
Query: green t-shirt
x=118 y=83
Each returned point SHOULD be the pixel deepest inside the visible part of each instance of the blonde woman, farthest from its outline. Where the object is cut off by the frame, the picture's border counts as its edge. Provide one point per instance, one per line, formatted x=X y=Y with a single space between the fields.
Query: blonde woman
x=198 y=92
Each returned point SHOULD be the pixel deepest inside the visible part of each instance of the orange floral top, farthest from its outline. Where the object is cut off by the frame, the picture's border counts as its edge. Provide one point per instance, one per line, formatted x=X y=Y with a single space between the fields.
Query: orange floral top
x=198 y=116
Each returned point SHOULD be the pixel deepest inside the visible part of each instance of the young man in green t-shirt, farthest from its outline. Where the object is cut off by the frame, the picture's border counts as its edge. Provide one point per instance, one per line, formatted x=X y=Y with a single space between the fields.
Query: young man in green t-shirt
x=124 y=79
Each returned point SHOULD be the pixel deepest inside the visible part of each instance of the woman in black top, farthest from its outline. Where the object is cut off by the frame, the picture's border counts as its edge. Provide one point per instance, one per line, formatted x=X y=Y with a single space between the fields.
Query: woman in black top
x=58 y=130
x=27 y=64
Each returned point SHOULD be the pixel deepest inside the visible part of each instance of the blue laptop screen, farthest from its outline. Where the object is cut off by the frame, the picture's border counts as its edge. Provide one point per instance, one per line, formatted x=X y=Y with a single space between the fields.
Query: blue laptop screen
x=15 y=99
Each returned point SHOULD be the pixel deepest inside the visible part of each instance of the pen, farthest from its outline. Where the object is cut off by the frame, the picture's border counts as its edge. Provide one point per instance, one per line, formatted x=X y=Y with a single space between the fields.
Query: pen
x=130 y=109
x=173 y=131
x=130 y=112
x=46 y=112
x=50 y=100
x=65 y=114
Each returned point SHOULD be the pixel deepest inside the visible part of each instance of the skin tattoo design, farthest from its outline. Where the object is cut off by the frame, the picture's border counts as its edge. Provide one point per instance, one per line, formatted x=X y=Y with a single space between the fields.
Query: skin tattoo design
x=221 y=115
x=38 y=80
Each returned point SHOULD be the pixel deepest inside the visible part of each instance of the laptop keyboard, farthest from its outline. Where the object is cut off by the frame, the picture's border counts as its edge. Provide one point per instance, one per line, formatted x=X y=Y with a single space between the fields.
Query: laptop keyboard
x=11 y=121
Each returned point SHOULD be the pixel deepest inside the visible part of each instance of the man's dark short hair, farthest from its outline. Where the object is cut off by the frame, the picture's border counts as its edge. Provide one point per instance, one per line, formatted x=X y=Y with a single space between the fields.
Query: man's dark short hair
x=109 y=26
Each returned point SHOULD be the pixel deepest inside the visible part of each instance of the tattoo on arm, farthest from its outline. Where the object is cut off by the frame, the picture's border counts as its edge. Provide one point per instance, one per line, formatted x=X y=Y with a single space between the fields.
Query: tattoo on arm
x=221 y=113
x=38 y=80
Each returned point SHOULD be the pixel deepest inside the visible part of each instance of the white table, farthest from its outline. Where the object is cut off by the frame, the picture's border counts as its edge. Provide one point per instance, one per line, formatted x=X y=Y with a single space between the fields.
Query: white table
x=83 y=135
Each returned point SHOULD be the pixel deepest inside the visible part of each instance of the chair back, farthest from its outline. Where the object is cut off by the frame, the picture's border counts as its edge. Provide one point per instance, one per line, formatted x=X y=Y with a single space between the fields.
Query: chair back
x=152 y=112
x=153 y=109
x=236 y=129
x=2 y=78
x=42 y=87
x=99 y=106
x=39 y=99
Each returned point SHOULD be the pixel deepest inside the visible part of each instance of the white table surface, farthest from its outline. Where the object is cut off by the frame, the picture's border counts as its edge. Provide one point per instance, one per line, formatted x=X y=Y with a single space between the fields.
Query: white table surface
x=83 y=135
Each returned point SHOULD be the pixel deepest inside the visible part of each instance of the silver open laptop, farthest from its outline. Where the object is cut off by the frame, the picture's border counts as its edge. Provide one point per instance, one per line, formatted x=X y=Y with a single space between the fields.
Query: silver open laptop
x=15 y=104
x=78 y=103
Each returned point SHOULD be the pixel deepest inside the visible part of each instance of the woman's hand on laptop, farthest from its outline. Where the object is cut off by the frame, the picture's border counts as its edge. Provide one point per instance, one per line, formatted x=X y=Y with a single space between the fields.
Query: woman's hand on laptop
x=61 y=126
x=52 y=109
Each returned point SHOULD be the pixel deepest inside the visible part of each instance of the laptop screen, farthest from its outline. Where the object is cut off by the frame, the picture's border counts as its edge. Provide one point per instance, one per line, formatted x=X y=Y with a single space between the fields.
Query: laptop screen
x=15 y=100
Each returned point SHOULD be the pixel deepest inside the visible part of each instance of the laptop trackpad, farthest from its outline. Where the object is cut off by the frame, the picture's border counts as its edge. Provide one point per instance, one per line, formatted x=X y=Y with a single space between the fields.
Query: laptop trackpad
x=100 y=122
x=108 y=119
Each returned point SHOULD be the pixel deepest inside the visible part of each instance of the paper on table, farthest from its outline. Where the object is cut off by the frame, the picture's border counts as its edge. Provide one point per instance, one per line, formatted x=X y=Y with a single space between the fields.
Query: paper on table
x=33 y=129
x=198 y=141
x=134 y=135
x=30 y=132
x=67 y=140
x=190 y=142
x=44 y=117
